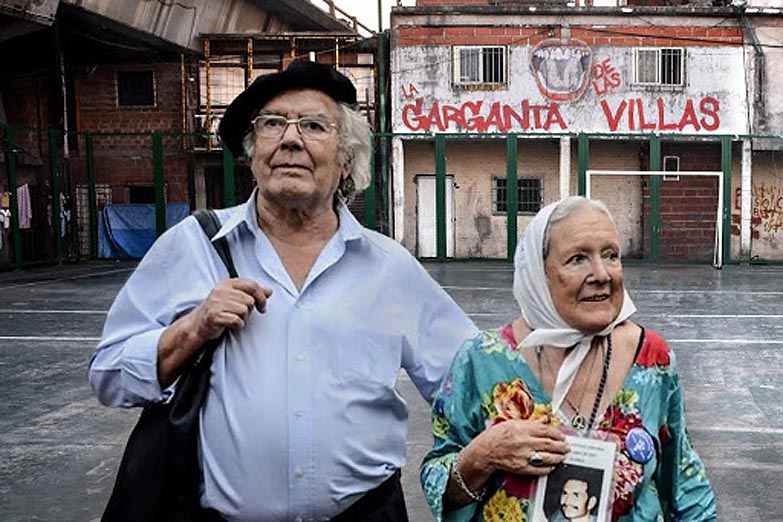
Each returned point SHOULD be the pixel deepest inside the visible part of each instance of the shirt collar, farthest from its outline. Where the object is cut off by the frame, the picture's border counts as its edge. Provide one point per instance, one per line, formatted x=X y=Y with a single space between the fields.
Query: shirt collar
x=349 y=229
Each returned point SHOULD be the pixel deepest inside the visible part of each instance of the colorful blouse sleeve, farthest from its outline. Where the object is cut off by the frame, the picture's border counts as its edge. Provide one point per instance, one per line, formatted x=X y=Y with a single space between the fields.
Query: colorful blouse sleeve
x=682 y=482
x=456 y=420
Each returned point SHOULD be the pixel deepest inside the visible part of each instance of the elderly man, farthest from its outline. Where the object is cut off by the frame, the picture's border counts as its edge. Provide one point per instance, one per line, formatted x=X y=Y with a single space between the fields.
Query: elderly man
x=302 y=420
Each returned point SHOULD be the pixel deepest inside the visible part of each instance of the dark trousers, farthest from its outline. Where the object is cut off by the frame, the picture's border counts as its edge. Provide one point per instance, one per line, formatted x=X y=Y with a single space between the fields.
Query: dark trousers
x=385 y=503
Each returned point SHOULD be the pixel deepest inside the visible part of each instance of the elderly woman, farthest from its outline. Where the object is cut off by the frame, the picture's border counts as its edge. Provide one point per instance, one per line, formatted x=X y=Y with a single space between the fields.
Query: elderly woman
x=573 y=358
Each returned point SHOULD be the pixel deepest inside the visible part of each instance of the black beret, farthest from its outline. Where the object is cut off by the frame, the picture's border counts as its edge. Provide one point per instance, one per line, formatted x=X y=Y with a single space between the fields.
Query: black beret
x=300 y=74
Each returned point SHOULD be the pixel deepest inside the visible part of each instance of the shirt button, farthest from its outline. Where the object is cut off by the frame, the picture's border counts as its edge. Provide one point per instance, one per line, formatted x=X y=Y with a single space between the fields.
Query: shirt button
x=298 y=519
x=300 y=357
x=299 y=473
x=299 y=413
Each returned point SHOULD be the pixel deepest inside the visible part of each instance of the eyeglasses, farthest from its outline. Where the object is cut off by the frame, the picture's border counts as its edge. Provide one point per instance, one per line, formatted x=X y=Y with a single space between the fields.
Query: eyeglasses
x=311 y=128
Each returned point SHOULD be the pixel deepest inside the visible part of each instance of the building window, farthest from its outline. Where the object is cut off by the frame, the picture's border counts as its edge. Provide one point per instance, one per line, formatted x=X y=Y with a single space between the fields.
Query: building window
x=530 y=195
x=135 y=89
x=141 y=194
x=659 y=67
x=480 y=65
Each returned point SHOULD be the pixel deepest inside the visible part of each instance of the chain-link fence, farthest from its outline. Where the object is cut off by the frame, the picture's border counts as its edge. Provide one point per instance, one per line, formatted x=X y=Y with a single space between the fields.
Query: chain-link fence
x=674 y=198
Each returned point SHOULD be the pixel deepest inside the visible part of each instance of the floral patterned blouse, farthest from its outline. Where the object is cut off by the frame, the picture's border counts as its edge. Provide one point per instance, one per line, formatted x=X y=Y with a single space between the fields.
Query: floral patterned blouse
x=490 y=382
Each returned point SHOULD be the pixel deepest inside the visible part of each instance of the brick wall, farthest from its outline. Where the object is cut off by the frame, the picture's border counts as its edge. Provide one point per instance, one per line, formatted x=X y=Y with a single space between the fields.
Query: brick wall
x=688 y=206
x=630 y=36
x=122 y=159
x=450 y=2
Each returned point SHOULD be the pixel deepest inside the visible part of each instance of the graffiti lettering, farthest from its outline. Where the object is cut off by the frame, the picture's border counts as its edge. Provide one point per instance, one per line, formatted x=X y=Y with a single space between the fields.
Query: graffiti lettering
x=768 y=207
x=478 y=117
x=410 y=93
x=636 y=116
x=605 y=77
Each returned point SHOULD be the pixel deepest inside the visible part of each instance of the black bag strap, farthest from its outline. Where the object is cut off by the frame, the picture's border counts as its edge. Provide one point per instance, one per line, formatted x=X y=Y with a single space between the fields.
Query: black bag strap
x=210 y=223
x=194 y=381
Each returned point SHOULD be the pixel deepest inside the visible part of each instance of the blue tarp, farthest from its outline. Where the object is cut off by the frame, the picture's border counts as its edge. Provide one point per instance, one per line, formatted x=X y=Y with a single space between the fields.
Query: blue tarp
x=128 y=231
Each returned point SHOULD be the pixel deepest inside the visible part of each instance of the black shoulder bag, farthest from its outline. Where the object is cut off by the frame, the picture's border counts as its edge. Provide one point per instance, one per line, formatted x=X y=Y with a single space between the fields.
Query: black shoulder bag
x=159 y=476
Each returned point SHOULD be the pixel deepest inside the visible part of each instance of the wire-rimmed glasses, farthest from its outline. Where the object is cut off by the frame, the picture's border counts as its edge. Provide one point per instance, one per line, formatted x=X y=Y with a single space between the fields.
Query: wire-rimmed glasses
x=273 y=126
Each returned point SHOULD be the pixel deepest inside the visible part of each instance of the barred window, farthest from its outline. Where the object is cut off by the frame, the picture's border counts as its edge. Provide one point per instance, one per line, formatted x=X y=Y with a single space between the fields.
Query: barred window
x=476 y=65
x=530 y=195
x=135 y=89
x=659 y=66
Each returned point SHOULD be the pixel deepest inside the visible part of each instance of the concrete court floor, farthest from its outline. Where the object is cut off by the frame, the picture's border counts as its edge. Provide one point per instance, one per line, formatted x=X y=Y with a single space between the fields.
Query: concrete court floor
x=59 y=448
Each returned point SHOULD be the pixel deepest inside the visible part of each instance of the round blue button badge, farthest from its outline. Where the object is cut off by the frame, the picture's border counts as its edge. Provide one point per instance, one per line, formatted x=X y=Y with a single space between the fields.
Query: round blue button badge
x=639 y=445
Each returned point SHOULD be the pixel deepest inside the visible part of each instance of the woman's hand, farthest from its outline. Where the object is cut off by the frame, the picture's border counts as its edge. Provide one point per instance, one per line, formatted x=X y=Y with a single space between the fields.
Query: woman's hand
x=511 y=446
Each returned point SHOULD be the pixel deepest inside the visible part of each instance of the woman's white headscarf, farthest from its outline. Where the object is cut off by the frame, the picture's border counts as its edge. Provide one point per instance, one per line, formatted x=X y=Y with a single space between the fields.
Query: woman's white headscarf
x=531 y=290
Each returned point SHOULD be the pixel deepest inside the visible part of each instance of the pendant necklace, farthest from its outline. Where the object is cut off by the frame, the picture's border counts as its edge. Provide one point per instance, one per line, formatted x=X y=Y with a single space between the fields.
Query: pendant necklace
x=578 y=420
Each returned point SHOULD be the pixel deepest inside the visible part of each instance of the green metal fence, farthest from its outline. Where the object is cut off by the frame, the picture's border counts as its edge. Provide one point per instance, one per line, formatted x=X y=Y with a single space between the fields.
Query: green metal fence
x=444 y=196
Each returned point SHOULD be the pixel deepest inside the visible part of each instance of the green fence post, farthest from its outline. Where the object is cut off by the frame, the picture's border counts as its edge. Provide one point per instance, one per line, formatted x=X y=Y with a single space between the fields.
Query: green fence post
x=229 y=190
x=54 y=178
x=10 y=168
x=384 y=143
x=369 y=192
x=583 y=142
x=92 y=195
x=440 y=195
x=655 y=199
x=512 y=203
x=725 y=162
x=160 y=197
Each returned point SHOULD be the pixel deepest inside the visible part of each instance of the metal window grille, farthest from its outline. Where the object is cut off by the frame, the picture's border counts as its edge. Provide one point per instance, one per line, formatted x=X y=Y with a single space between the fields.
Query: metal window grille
x=660 y=66
x=225 y=84
x=479 y=65
x=530 y=194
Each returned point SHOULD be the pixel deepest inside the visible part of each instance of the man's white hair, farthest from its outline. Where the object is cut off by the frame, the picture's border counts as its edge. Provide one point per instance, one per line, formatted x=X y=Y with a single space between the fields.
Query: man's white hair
x=354 y=149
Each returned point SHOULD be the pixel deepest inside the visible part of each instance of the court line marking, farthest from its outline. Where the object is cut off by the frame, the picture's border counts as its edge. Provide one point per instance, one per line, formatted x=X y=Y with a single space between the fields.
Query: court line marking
x=736 y=429
x=57 y=280
x=724 y=341
x=634 y=292
x=45 y=338
x=688 y=316
x=722 y=316
x=22 y=311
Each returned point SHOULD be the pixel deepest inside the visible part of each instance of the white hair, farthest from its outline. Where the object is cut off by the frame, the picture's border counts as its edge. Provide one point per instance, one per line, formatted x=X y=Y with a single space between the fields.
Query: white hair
x=354 y=149
x=568 y=206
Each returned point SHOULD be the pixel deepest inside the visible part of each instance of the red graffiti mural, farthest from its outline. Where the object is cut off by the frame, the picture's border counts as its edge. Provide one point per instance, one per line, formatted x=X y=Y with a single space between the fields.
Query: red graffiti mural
x=480 y=117
x=561 y=68
x=634 y=115
x=628 y=115
x=410 y=92
x=605 y=77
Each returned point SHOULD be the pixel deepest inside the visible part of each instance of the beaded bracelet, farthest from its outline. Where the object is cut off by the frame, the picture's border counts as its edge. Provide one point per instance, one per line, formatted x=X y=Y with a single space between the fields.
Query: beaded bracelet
x=474 y=496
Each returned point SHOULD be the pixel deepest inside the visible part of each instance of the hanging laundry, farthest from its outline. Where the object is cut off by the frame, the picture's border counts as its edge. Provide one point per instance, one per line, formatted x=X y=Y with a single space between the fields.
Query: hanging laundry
x=25 y=209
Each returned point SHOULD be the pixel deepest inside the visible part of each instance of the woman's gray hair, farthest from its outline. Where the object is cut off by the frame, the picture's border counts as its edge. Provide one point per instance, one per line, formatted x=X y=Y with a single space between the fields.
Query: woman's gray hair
x=354 y=148
x=568 y=206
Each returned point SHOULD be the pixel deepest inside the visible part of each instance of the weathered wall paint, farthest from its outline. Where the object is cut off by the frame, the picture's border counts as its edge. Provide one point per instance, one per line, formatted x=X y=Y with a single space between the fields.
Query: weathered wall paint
x=482 y=234
x=602 y=101
x=767 y=207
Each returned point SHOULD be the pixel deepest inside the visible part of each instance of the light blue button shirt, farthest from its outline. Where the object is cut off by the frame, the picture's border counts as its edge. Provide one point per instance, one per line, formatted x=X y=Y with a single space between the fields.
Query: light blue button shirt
x=302 y=416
